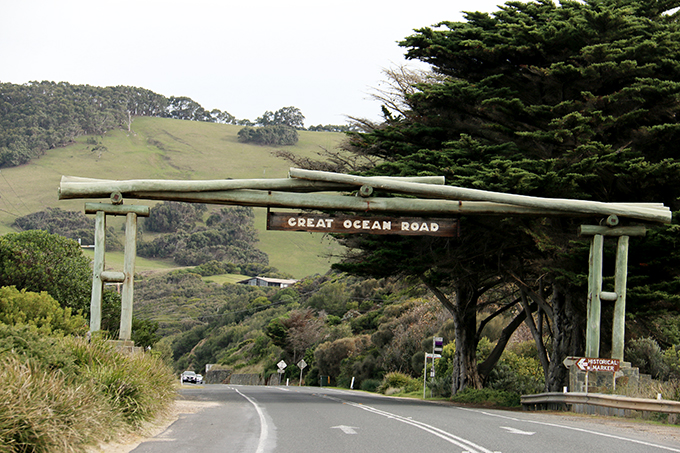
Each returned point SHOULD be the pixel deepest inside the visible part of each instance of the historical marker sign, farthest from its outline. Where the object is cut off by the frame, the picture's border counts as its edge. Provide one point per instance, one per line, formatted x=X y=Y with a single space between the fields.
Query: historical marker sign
x=591 y=364
x=323 y=223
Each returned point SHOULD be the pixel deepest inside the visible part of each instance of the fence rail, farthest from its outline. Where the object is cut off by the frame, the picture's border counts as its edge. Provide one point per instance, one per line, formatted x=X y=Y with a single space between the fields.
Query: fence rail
x=597 y=403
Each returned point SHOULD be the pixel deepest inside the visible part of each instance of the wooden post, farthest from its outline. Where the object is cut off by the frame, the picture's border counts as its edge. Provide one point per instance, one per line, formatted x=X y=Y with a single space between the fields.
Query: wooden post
x=620 y=280
x=595 y=293
x=594 y=304
x=97 y=269
x=99 y=276
x=129 y=271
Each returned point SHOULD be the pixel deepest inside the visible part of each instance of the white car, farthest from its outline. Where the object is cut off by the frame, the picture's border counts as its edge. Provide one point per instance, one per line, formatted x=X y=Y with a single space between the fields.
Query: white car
x=189 y=376
x=199 y=379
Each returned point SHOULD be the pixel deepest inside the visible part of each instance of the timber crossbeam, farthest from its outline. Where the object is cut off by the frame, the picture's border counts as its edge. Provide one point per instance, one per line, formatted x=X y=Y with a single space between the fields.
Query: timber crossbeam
x=306 y=189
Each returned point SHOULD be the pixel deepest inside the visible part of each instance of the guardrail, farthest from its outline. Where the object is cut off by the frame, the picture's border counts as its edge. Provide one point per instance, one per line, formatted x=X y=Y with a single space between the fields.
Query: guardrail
x=598 y=403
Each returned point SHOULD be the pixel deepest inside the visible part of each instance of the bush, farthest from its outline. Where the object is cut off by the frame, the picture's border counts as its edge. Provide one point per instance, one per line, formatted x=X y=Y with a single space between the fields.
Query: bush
x=487 y=397
x=397 y=382
x=646 y=354
x=44 y=411
x=268 y=135
x=39 y=310
x=517 y=374
x=370 y=385
x=63 y=393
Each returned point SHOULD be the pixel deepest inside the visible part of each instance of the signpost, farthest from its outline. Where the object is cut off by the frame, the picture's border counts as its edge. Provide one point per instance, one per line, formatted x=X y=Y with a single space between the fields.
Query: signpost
x=437 y=348
x=589 y=364
x=282 y=367
x=302 y=365
x=324 y=223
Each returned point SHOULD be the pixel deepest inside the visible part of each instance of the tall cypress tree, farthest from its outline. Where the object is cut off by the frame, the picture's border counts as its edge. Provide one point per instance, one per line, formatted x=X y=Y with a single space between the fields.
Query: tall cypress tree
x=580 y=100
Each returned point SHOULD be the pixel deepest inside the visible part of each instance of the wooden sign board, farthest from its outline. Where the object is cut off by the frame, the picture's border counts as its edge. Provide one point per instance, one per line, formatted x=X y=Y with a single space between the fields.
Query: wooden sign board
x=323 y=223
x=595 y=364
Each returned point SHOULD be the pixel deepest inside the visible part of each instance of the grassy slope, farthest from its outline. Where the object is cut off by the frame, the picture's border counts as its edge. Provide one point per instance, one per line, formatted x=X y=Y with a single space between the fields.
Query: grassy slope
x=169 y=149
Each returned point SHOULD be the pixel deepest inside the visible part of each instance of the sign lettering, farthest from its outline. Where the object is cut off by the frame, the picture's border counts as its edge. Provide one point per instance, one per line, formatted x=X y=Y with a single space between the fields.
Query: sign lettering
x=322 y=223
x=591 y=364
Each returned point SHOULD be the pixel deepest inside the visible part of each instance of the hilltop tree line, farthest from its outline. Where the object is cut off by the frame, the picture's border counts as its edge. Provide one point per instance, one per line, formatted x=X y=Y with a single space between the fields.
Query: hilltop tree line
x=38 y=116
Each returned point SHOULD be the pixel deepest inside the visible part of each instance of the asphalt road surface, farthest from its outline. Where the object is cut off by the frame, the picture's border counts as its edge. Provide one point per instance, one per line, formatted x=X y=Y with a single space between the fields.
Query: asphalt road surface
x=262 y=419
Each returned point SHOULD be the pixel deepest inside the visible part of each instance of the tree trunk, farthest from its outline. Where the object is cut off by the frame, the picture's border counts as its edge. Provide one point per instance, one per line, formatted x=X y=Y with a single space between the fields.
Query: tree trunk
x=464 y=313
x=569 y=336
x=465 y=373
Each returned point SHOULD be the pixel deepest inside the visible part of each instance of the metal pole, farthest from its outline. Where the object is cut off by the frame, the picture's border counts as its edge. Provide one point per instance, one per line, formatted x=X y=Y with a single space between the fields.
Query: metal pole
x=424 y=376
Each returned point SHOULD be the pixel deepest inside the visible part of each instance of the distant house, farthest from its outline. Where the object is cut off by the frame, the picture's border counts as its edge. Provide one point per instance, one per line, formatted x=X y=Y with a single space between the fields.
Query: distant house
x=266 y=281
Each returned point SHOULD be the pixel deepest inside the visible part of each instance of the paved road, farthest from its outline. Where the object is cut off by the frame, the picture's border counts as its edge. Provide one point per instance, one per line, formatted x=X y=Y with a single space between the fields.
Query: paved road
x=262 y=419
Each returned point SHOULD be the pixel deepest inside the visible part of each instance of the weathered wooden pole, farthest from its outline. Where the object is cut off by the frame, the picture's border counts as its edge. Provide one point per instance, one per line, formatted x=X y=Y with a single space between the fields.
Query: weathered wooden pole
x=653 y=213
x=100 y=275
x=595 y=293
x=594 y=303
x=129 y=271
x=77 y=187
x=97 y=269
x=620 y=280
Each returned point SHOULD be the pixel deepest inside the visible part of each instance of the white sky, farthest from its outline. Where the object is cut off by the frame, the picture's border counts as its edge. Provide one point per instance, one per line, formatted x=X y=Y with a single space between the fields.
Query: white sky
x=245 y=57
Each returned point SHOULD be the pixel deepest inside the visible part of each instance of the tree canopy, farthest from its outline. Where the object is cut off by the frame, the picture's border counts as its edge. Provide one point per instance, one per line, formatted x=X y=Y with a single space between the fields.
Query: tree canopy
x=38 y=261
x=579 y=100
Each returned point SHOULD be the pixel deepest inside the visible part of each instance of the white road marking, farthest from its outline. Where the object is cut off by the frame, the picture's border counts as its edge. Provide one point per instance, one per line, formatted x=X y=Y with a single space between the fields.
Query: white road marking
x=517 y=431
x=264 y=429
x=466 y=445
x=583 y=430
x=346 y=429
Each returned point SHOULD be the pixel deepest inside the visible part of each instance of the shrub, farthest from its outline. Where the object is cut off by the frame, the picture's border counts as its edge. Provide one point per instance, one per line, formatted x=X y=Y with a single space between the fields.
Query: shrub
x=400 y=382
x=518 y=374
x=487 y=397
x=38 y=309
x=646 y=354
x=370 y=385
x=42 y=410
x=268 y=135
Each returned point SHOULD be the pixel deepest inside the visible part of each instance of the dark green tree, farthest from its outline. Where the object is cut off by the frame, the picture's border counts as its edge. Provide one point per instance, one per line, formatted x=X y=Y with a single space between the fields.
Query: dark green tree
x=38 y=261
x=579 y=100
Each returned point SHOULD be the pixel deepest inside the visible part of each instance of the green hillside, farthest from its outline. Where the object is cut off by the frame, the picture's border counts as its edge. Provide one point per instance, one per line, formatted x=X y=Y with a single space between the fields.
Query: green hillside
x=159 y=148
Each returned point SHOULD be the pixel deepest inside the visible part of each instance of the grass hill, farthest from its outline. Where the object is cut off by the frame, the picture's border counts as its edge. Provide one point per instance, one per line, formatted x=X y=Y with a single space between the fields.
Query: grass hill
x=159 y=148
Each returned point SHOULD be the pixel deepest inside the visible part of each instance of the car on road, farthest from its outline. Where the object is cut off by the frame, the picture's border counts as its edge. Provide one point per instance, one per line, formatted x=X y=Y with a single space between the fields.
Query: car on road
x=199 y=379
x=189 y=376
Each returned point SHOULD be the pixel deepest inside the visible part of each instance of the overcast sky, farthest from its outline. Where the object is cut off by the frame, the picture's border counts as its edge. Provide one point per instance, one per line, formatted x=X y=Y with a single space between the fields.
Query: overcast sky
x=244 y=57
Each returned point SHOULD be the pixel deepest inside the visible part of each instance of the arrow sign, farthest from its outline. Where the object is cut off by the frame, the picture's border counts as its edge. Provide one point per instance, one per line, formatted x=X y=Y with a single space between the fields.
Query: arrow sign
x=517 y=431
x=346 y=429
x=591 y=364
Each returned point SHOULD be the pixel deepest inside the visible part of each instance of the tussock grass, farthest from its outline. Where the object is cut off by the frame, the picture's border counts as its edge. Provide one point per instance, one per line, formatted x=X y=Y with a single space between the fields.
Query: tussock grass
x=43 y=410
x=86 y=394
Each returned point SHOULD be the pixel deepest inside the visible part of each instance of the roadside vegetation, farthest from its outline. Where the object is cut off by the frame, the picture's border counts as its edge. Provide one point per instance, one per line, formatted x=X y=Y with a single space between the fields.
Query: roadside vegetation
x=582 y=102
x=63 y=392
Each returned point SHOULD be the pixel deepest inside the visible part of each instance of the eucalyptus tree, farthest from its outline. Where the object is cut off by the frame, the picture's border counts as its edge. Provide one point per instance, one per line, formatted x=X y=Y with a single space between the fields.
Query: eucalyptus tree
x=576 y=100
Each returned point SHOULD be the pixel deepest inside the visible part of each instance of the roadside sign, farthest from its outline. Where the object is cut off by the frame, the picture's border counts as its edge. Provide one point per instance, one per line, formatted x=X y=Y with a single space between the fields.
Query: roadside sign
x=437 y=344
x=592 y=364
x=570 y=361
x=432 y=356
x=302 y=364
x=282 y=365
x=324 y=223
